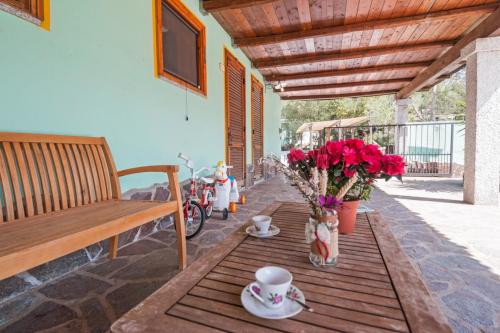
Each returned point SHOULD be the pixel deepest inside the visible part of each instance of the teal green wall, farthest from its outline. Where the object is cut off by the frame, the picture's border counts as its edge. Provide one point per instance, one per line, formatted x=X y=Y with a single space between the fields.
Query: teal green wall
x=93 y=74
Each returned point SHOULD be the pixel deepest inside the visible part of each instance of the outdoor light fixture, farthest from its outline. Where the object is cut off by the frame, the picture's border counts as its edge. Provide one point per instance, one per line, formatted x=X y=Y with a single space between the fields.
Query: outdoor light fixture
x=280 y=86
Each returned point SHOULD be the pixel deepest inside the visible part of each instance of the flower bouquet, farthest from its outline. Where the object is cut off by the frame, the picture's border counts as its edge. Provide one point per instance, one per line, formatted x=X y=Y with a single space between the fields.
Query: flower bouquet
x=331 y=179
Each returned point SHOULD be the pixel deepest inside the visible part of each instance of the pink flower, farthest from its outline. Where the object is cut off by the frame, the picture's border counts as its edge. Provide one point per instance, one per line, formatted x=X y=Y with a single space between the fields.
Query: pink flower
x=393 y=165
x=322 y=161
x=296 y=155
x=371 y=153
x=334 y=149
x=351 y=156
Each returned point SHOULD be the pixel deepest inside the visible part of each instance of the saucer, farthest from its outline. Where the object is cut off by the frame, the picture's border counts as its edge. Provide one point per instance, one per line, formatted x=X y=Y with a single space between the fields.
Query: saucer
x=288 y=309
x=273 y=231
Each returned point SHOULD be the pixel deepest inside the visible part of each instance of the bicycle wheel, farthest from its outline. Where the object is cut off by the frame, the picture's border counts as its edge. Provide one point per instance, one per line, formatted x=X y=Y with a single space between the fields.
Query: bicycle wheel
x=194 y=218
x=210 y=205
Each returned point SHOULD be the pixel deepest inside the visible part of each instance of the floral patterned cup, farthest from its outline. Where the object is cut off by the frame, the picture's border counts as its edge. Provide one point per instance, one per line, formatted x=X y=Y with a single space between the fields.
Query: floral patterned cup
x=262 y=223
x=271 y=286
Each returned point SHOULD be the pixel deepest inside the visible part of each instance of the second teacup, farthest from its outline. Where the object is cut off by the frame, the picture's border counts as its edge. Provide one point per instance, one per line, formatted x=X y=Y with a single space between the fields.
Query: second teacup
x=262 y=223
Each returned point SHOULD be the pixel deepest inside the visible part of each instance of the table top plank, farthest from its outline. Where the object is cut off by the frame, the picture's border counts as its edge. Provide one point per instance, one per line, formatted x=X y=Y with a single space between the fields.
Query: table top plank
x=365 y=292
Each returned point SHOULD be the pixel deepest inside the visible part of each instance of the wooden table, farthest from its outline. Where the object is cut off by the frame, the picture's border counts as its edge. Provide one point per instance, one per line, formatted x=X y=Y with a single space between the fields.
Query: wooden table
x=374 y=288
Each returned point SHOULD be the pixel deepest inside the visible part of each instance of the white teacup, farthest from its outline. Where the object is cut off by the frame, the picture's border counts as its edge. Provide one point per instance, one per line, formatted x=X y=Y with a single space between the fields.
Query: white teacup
x=271 y=286
x=262 y=223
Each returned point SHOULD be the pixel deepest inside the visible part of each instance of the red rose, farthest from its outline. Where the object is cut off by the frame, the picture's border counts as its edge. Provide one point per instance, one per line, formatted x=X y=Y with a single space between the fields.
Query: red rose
x=334 y=149
x=393 y=165
x=322 y=161
x=349 y=173
x=296 y=155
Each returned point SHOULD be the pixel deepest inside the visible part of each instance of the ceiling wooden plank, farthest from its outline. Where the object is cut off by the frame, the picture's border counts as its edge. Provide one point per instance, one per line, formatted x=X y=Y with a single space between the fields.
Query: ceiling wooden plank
x=358 y=94
x=212 y=6
x=362 y=53
x=363 y=26
x=451 y=58
x=345 y=72
x=345 y=85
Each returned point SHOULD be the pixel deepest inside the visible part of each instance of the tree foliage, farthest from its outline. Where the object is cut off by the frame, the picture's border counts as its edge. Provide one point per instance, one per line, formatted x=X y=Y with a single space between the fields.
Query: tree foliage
x=445 y=101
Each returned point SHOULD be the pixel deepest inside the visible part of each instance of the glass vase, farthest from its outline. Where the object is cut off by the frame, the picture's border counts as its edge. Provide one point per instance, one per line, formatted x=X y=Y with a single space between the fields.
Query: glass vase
x=323 y=235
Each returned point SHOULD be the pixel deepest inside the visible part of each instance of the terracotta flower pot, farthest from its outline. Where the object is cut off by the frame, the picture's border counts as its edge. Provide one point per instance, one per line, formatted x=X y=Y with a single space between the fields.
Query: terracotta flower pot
x=347 y=216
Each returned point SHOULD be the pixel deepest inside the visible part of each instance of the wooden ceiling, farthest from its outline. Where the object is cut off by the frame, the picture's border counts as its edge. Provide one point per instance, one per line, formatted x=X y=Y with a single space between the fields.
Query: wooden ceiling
x=322 y=49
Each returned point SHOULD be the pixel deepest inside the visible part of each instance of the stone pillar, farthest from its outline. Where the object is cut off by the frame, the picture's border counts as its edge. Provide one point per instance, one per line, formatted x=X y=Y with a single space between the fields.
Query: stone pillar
x=401 y=115
x=482 y=121
x=401 y=118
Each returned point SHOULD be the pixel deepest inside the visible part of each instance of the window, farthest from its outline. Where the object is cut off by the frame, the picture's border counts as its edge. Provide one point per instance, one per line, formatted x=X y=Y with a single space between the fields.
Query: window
x=180 y=39
x=28 y=9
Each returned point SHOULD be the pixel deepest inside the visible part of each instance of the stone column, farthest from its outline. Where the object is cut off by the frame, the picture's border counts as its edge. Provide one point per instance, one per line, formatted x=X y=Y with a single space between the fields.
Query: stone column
x=482 y=121
x=401 y=118
x=401 y=115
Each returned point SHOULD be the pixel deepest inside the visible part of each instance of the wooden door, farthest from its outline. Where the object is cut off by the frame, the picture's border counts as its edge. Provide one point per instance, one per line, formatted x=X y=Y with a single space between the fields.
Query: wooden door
x=235 y=116
x=257 y=127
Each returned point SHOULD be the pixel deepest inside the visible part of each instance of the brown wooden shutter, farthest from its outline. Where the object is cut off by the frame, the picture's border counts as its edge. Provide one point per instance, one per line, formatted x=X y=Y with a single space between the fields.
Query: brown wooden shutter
x=257 y=126
x=32 y=7
x=235 y=116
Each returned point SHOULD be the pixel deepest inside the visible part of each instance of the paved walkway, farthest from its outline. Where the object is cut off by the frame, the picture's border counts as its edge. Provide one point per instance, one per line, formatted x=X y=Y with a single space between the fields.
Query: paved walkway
x=456 y=246
x=91 y=298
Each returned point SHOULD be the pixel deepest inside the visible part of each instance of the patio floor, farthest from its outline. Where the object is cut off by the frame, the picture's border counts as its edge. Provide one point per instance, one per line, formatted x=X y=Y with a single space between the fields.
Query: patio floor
x=454 y=245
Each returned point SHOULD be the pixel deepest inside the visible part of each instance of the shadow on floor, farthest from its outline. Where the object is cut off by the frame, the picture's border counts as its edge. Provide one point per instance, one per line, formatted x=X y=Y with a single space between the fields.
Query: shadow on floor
x=467 y=291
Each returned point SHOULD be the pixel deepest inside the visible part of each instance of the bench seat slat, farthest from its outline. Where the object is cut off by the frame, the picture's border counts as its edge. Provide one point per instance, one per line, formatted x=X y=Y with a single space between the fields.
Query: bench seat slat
x=88 y=173
x=75 y=173
x=33 y=241
x=30 y=210
x=14 y=179
x=6 y=189
x=54 y=191
x=35 y=180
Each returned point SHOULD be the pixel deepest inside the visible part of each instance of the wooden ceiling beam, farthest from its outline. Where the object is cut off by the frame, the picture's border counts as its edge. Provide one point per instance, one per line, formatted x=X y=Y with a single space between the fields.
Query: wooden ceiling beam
x=363 y=26
x=345 y=72
x=213 y=6
x=362 y=53
x=345 y=85
x=452 y=57
x=359 y=94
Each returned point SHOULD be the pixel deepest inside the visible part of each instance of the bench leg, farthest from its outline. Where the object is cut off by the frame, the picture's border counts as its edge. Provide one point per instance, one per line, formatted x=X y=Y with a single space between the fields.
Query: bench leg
x=113 y=247
x=180 y=227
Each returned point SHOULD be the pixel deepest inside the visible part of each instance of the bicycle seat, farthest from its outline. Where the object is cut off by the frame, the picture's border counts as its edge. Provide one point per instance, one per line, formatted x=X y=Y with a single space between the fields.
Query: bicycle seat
x=207 y=180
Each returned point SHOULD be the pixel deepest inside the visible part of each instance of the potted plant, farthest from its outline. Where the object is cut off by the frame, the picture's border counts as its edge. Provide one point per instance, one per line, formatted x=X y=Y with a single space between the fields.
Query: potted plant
x=346 y=170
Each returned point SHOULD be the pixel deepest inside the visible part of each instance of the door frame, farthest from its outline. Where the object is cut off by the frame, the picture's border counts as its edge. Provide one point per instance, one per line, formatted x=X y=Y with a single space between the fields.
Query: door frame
x=256 y=81
x=228 y=54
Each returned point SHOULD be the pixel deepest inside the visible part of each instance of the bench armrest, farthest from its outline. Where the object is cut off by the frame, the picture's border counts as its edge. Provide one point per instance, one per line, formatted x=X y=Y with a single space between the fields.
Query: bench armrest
x=175 y=191
x=149 y=168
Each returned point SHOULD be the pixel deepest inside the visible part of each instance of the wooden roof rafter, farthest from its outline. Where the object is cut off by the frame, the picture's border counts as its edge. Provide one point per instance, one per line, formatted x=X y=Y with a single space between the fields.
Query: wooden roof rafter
x=346 y=72
x=346 y=85
x=364 y=26
x=348 y=55
x=334 y=96
x=451 y=58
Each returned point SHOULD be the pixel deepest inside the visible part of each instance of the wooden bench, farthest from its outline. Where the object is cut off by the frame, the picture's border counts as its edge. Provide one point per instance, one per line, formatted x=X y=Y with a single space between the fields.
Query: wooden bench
x=59 y=194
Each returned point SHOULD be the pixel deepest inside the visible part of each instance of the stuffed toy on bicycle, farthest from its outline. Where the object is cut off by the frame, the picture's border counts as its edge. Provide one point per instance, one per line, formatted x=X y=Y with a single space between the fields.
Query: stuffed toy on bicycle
x=226 y=189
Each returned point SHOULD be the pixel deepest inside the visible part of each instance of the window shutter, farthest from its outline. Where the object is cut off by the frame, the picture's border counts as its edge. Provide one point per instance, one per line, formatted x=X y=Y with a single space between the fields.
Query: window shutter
x=32 y=7
x=257 y=127
x=235 y=99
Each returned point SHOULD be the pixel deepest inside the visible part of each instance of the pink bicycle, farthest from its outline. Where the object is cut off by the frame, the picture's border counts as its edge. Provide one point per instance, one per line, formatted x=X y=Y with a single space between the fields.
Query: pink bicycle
x=196 y=209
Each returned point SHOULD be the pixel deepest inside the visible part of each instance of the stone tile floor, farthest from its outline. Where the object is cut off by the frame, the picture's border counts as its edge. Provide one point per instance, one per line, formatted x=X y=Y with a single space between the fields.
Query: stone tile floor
x=454 y=245
x=94 y=296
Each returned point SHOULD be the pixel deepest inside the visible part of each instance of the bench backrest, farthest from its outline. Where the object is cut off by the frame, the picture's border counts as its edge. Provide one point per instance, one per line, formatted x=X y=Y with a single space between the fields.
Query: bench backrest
x=47 y=173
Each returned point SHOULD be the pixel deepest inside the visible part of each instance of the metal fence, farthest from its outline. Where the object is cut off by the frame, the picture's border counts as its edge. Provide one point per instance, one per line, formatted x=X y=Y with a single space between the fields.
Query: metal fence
x=426 y=147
